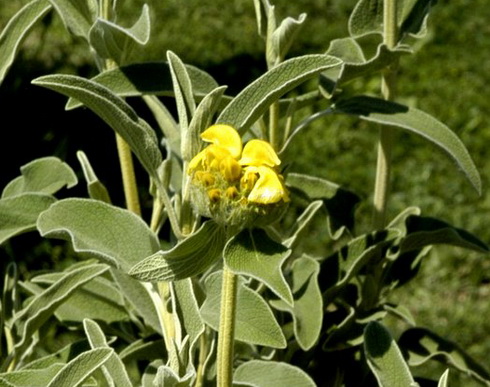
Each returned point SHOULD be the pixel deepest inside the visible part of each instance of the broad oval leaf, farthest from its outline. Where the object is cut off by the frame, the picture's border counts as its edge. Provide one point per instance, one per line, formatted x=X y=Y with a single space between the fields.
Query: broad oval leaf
x=260 y=373
x=307 y=310
x=385 y=359
x=19 y=214
x=188 y=258
x=16 y=30
x=255 y=322
x=115 y=112
x=45 y=175
x=111 y=234
x=253 y=253
x=77 y=15
x=76 y=371
x=254 y=100
x=416 y=121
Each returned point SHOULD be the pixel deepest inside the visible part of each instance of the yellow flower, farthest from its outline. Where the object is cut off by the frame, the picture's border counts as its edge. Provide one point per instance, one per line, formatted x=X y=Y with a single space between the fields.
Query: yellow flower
x=234 y=185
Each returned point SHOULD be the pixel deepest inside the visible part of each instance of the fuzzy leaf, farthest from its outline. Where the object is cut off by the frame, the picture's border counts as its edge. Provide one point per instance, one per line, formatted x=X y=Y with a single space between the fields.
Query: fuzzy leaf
x=307 y=310
x=115 y=112
x=302 y=223
x=30 y=377
x=188 y=258
x=255 y=322
x=111 y=234
x=77 y=370
x=416 y=121
x=255 y=99
x=19 y=214
x=421 y=345
x=260 y=373
x=96 y=189
x=114 y=369
x=77 y=15
x=99 y=299
x=112 y=41
x=443 y=380
x=44 y=304
x=254 y=254
x=385 y=359
x=17 y=29
x=45 y=175
x=148 y=78
x=283 y=37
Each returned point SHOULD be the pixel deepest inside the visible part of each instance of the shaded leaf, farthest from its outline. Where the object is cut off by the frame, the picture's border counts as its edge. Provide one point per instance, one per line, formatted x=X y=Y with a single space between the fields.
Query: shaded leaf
x=253 y=253
x=421 y=345
x=255 y=99
x=148 y=78
x=384 y=357
x=188 y=258
x=17 y=29
x=112 y=41
x=19 y=214
x=111 y=234
x=77 y=370
x=302 y=223
x=255 y=322
x=77 y=15
x=416 y=121
x=115 y=112
x=45 y=175
x=96 y=189
x=260 y=373
x=307 y=310
x=44 y=304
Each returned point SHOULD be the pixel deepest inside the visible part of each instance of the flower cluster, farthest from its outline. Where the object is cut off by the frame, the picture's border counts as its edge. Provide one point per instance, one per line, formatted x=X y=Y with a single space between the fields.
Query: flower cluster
x=233 y=184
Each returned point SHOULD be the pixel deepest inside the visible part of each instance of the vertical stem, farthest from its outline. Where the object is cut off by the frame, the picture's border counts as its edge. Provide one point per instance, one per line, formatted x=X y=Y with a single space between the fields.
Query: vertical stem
x=128 y=175
x=273 y=125
x=386 y=137
x=226 y=331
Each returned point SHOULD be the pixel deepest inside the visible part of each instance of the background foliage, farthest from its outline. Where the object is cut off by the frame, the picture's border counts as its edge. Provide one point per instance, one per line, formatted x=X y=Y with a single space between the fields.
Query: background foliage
x=447 y=78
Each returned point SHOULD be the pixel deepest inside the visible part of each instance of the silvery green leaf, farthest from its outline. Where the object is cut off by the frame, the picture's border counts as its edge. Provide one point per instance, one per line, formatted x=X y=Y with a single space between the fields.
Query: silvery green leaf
x=302 y=223
x=307 y=309
x=76 y=371
x=167 y=377
x=385 y=358
x=255 y=322
x=43 y=305
x=393 y=114
x=114 y=369
x=283 y=37
x=443 y=380
x=17 y=29
x=262 y=9
x=115 y=112
x=77 y=15
x=19 y=214
x=45 y=175
x=111 y=41
x=260 y=373
x=96 y=189
x=201 y=120
x=148 y=78
x=253 y=253
x=188 y=258
x=255 y=99
x=30 y=377
x=183 y=93
x=111 y=234
x=421 y=345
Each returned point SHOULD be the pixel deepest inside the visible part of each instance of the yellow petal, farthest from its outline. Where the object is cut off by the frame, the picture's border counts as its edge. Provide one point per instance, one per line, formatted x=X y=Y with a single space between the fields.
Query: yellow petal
x=259 y=152
x=269 y=188
x=224 y=136
x=197 y=162
x=230 y=169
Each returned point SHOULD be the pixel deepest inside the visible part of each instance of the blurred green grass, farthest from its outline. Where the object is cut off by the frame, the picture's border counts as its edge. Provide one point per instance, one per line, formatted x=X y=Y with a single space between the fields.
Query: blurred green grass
x=447 y=77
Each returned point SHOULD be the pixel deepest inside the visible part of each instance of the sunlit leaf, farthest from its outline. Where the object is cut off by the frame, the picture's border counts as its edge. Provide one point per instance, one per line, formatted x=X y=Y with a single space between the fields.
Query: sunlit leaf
x=255 y=322
x=260 y=373
x=385 y=359
x=17 y=29
x=30 y=377
x=96 y=189
x=111 y=234
x=77 y=15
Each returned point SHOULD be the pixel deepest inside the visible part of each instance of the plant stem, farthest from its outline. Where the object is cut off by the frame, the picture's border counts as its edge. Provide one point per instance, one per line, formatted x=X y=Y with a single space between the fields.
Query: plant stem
x=128 y=175
x=273 y=125
x=386 y=137
x=226 y=333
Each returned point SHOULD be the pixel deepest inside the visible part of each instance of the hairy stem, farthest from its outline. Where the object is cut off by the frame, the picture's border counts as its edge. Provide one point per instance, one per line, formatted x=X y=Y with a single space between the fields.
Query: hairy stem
x=226 y=333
